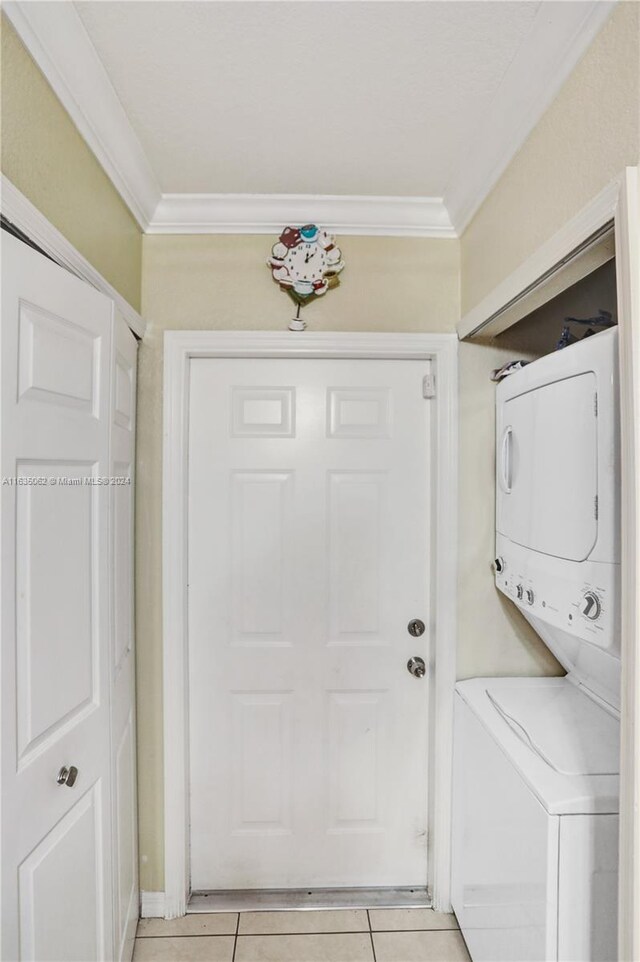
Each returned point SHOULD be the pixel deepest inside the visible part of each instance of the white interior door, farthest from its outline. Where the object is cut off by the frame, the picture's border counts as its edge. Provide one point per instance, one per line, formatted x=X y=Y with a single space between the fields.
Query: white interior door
x=122 y=667
x=309 y=535
x=56 y=844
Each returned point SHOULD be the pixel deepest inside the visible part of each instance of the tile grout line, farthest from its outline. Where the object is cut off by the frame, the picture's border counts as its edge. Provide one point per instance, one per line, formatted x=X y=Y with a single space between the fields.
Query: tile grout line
x=373 y=948
x=262 y=935
x=235 y=941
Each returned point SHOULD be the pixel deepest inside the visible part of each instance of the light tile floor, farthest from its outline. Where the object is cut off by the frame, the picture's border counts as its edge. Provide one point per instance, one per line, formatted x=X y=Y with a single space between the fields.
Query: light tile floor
x=341 y=935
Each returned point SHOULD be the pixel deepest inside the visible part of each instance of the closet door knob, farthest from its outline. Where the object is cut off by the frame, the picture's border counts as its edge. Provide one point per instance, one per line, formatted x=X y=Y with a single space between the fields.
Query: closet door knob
x=67 y=776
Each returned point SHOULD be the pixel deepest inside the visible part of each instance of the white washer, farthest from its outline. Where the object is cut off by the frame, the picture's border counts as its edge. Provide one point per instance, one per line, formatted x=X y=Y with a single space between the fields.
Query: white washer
x=535 y=818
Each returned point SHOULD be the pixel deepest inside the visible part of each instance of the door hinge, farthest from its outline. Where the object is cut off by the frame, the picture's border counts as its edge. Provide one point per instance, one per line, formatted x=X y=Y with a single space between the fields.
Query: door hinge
x=595 y=404
x=429 y=385
x=595 y=507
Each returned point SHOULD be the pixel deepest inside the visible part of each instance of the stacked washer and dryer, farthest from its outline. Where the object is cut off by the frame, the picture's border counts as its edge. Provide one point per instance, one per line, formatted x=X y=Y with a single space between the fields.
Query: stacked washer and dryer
x=536 y=760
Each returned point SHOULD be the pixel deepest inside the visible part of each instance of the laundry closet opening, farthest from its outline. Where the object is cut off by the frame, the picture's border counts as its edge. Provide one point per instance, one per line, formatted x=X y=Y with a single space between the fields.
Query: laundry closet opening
x=536 y=759
x=312 y=537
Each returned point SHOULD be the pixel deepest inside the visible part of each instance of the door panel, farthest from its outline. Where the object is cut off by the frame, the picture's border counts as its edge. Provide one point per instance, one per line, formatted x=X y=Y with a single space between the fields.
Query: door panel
x=56 y=839
x=262 y=780
x=309 y=501
x=356 y=511
x=356 y=760
x=55 y=624
x=552 y=468
x=123 y=730
x=59 y=881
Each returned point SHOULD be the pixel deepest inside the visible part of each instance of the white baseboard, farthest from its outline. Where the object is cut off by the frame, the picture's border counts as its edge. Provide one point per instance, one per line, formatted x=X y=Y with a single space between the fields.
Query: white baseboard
x=152 y=905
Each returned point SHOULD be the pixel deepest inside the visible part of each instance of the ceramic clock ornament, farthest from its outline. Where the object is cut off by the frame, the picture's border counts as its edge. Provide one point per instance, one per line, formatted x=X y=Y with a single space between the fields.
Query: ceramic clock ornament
x=305 y=262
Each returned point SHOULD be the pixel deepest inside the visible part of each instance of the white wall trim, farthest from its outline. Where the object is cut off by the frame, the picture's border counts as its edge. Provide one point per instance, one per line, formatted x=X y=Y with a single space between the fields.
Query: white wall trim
x=179 y=348
x=152 y=905
x=56 y=38
x=268 y=213
x=627 y=224
x=530 y=85
x=505 y=305
x=20 y=212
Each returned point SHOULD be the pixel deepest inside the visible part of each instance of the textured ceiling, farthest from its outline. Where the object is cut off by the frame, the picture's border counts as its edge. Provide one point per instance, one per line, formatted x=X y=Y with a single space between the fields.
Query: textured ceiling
x=319 y=97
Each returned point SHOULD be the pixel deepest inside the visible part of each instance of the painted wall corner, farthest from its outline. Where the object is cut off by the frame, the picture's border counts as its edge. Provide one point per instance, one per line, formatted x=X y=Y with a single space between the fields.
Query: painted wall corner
x=45 y=157
x=587 y=136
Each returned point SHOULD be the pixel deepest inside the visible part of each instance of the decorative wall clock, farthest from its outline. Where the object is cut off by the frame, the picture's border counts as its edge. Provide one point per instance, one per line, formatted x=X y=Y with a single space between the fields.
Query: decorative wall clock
x=305 y=262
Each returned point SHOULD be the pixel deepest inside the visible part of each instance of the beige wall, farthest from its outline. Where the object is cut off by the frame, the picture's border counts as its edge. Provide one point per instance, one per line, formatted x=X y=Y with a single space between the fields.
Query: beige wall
x=590 y=132
x=204 y=282
x=222 y=283
x=586 y=137
x=45 y=157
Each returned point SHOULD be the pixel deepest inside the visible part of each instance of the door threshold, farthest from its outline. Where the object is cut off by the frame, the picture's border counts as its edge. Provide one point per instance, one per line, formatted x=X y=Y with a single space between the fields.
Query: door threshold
x=272 y=900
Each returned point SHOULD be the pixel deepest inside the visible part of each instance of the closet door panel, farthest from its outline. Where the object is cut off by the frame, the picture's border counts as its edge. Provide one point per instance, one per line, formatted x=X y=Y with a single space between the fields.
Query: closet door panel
x=123 y=731
x=56 y=856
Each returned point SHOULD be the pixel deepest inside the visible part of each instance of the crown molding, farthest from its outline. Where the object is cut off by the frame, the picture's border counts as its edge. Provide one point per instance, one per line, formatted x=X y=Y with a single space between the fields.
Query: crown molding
x=55 y=36
x=57 y=40
x=530 y=85
x=266 y=213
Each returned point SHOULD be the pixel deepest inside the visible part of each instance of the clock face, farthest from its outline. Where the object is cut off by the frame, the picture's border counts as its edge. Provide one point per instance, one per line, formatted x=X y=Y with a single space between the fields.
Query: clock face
x=305 y=260
x=306 y=263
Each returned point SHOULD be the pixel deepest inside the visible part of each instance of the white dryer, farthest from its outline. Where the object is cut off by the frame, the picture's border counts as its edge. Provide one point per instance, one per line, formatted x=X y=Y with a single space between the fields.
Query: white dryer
x=536 y=760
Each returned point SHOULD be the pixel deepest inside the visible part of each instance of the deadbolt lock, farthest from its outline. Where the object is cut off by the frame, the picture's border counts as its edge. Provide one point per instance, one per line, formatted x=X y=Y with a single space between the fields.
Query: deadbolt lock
x=416 y=627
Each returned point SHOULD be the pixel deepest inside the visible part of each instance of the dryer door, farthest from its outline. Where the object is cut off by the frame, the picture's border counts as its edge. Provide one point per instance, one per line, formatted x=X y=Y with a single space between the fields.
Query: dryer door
x=547 y=468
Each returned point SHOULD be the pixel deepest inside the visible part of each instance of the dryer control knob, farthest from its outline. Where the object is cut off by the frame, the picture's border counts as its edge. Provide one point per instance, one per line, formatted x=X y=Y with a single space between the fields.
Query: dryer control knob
x=530 y=596
x=499 y=565
x=519 y=592
x=590 y=606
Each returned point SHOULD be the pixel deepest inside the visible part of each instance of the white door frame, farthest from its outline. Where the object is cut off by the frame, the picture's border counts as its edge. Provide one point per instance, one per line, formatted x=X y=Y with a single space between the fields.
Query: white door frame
x=179 y=348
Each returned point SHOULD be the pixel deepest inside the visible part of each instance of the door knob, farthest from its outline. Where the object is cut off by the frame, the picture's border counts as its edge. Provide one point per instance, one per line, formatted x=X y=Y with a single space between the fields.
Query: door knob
x=67 y=776
x=416 y=667
x=416 y=627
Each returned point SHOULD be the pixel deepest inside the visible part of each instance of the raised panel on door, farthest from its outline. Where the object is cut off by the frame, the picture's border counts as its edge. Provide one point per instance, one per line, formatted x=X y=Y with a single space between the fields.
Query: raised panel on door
x=357 y=740
x=61 y=882
x=56 y=838
x=357 y=562
x=309 y=516
x=56 y=360
x=259 y=557
x=122 y=671
x=56 y=630
x=262 y=747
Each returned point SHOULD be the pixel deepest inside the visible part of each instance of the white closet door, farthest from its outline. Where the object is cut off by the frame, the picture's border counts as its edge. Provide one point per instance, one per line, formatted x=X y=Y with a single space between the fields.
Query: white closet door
x=309 y=495
x=56 y=839
x=123 y=733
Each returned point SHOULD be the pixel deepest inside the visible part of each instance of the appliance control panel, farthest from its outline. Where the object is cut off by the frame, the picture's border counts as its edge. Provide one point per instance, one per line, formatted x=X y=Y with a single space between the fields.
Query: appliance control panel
x=582 y=598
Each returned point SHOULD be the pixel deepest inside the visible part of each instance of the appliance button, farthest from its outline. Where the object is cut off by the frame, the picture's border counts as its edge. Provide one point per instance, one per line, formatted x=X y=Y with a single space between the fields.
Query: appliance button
x=530 y=596
x=519 y=592
x=591 y=606
x=499 y=565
